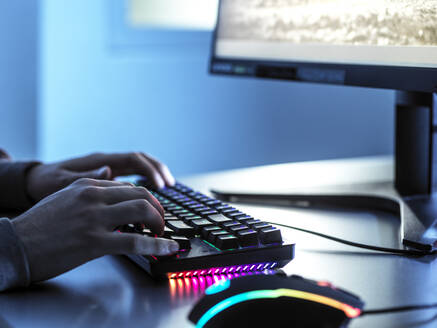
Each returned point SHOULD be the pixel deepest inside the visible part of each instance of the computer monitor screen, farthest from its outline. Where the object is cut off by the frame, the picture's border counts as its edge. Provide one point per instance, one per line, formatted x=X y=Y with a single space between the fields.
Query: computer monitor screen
x=393 y=34
x=372 y=43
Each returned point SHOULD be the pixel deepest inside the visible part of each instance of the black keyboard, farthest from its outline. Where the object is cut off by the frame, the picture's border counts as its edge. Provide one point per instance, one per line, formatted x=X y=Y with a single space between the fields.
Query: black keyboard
x=214 y=238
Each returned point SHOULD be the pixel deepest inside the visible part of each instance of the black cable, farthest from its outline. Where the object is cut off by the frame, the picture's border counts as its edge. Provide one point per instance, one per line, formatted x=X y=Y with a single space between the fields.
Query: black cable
x=354 y=244
x=400 y=309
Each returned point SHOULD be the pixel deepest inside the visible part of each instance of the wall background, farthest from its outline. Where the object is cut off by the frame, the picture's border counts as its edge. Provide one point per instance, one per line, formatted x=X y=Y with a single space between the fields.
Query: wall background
x=95 y=94
x=18 y=75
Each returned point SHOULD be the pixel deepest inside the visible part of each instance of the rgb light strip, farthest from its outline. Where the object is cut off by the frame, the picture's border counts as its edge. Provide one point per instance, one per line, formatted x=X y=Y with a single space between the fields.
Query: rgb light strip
x=236 y=269
x=350 y=311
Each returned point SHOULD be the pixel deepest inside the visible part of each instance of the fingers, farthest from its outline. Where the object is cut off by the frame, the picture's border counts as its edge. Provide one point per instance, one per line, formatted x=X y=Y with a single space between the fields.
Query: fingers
x=4 y=155
x=135 y=211
x=162 y=169
x=118 y=194
x=124 y=164
x=130 y=243
x=101 y=183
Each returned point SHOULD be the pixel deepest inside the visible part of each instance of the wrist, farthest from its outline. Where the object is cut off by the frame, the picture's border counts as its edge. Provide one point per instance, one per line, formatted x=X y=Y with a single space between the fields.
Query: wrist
x=30 y=179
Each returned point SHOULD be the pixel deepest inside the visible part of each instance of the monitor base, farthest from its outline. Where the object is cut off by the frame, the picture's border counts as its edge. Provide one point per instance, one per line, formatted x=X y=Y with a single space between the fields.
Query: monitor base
x=418 y=225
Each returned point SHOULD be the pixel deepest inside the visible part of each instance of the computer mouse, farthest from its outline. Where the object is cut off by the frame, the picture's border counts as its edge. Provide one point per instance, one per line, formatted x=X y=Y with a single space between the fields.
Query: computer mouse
x=275 y=301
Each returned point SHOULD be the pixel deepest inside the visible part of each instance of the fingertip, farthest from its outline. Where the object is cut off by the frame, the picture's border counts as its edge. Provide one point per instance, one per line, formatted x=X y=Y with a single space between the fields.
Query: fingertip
x=105 y=172
x=173 y=246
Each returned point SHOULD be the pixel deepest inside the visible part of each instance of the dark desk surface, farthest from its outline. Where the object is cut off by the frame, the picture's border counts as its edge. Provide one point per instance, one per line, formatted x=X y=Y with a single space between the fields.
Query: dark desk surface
x=113 y=292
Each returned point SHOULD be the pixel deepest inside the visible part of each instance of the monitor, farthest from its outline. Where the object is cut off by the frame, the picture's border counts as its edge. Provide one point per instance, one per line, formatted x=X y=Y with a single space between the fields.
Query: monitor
x=389 y=44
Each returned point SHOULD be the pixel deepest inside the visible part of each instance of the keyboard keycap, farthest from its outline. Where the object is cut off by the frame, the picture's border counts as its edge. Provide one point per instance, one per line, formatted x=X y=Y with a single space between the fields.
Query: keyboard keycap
x=207 y=230
x=209 y=212
x=247 y=237
x=244 y=218
x=229 y=224
x=199 y=210
x=213 y=203
x=234 y=229
x=186 y=215
x=252 y=222
x=184 y=242
x=218 y=218
x=181 y=228
x=235 y=215
x=168 y=232
x=214 y=234
x=260 y=226
x=226 y=242
x=270 y=235
x=199 y=224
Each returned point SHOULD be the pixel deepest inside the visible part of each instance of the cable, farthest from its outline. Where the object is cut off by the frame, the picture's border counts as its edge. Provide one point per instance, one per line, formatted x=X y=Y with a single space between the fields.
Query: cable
x=359 y=245
x=400 y=309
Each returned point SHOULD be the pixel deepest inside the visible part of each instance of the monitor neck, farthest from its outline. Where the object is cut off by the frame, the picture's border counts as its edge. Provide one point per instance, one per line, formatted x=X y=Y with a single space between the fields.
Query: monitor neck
x=414 y=134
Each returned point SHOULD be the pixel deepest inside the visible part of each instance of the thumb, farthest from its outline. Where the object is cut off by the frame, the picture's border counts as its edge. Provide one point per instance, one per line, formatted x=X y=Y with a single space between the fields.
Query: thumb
x=102 y=173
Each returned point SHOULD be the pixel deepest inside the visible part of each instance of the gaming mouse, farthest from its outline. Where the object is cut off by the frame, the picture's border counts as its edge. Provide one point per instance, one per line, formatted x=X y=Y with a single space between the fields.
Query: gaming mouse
x=275 y=300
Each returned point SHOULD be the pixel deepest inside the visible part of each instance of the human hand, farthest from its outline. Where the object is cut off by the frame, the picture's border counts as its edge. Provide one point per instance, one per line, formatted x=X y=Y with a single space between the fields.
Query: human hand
x=77 y=224
x=45 y=179
x=4 y=155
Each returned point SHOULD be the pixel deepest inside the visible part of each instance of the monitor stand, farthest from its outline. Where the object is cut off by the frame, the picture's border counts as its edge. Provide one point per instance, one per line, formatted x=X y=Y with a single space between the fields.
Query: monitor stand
x=411 y=196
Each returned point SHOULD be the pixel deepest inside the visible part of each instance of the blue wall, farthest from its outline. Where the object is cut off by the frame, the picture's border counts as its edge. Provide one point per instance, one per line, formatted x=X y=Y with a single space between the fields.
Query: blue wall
x=18 y=86
x=160 y=99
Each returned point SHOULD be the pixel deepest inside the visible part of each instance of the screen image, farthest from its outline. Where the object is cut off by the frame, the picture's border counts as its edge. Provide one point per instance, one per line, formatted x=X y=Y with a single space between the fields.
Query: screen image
x=377 y=32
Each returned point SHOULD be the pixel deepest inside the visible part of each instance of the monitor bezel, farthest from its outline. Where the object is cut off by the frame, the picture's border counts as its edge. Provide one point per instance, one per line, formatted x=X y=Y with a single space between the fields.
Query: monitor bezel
x=404 y=78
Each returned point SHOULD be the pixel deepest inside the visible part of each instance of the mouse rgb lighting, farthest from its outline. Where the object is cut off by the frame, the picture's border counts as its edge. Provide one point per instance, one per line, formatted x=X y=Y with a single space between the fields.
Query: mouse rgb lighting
x=349 y=311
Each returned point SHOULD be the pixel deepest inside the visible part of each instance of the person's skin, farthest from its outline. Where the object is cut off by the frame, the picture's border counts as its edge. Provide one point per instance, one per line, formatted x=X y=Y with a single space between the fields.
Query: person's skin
x=77 y=221
x=46 y=179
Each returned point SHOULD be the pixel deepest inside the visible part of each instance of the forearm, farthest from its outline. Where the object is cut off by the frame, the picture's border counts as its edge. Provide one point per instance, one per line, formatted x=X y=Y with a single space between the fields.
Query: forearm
x=13 y=193
x=14 y=267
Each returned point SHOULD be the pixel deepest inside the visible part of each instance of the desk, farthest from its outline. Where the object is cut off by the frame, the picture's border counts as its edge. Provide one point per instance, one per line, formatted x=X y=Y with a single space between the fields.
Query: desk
x=113 y=292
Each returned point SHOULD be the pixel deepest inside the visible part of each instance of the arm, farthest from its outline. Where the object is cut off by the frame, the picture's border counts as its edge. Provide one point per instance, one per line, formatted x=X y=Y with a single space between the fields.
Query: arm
x=14 y=267
x=78 y=224
x=13 y=194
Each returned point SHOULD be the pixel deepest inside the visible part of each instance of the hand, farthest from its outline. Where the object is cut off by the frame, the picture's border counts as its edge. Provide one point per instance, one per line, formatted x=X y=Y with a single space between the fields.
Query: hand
x=77 y=224
x=45 y=179
x=4 y=155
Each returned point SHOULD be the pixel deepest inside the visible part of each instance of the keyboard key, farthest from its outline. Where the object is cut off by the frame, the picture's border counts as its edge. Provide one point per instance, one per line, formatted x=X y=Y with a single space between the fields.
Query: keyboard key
x=235 y=215
x=226 y=242
x=223 y=207
x=168 y=232
x=184 y=242
x=270 y=235
x=199 y=224
x=186 y=215
x=214 y=202
x=180 y=212
x=190 y=202
x=229 y=210
x=173 y=208
x=196 y=205
x=181 y=228
x=260 y=226
x=214 y=234
x=234 y=229
x=218 y=218
x=244 y=218
x=247 y=237
x=231 y=224
x=198 y=210
x=188 y=219
x=252 y=222
x=207 y=230
x=210 y=212
x=170 y=218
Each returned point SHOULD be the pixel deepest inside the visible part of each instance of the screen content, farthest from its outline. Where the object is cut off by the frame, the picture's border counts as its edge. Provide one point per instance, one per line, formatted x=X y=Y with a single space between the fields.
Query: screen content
x=375 y=32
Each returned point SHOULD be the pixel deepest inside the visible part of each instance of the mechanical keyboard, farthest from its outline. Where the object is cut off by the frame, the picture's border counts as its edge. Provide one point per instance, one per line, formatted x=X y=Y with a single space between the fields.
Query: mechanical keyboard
x=214 y=238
